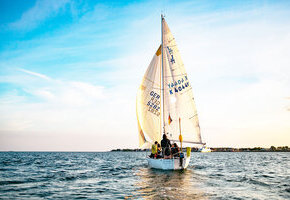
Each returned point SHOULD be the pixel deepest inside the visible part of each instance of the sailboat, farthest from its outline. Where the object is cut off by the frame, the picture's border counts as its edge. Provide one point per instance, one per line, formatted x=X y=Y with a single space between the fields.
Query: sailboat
x=205 y=149
x=165 y=104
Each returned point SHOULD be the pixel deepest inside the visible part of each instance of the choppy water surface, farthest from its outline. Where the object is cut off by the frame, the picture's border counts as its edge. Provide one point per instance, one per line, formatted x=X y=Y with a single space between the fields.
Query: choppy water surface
x=125 y=175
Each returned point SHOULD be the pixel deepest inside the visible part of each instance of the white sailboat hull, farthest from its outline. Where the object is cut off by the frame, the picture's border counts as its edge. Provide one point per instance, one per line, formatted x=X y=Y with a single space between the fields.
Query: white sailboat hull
x=205 y=150
x=168 y=164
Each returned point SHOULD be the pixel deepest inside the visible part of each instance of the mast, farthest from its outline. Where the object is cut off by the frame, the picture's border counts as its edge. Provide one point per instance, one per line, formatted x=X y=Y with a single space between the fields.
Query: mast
x=162 y=81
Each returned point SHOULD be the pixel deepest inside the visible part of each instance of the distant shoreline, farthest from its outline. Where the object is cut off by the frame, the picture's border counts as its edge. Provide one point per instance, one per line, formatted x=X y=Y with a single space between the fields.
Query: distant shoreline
x=213 y=149
x=226 y=149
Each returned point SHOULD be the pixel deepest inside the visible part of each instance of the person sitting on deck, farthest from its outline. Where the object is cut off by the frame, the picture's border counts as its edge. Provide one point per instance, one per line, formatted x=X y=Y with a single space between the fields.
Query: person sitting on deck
x=154 y=150
x=159 y=151
x=165 y=144
x=175 y=150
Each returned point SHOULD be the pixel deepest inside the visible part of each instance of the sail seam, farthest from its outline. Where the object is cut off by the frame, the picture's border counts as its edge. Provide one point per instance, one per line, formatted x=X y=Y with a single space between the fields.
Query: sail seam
x=193 y=116
x=149 y=80
x=176 y=75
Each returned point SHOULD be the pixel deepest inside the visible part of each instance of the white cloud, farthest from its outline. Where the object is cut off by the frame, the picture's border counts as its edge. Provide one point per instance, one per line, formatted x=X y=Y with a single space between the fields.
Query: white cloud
x=91 y=121
x=42 y=10
x=35 y=74
x=63 y=92
x=89 y=90
x=44 y=93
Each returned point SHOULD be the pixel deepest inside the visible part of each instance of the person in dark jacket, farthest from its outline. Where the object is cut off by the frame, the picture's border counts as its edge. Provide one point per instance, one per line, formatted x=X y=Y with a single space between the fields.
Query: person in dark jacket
x=175 y=150
x=165 y=144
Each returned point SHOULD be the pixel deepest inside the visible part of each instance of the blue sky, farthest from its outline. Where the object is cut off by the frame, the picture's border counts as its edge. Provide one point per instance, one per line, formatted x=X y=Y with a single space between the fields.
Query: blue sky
x=69 y=70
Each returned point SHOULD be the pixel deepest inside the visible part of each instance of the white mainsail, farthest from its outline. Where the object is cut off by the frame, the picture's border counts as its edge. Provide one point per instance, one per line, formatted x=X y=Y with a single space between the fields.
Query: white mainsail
x=178 y=96
x=165 y=95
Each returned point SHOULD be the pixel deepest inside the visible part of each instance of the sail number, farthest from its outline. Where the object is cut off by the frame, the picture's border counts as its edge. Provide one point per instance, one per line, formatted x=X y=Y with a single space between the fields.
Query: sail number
x=154 y=103
x=178 y=86
x=170 y=51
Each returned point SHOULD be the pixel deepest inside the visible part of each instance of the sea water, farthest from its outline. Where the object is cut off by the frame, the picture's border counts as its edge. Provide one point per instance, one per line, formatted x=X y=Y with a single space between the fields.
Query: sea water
x=125 y=175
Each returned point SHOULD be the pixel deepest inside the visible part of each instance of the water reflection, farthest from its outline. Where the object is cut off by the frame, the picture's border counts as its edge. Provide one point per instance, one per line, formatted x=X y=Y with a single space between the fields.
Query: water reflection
x=159 y=184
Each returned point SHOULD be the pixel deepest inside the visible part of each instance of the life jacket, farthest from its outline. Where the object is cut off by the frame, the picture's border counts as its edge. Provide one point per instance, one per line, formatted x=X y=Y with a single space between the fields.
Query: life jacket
x=154 y=149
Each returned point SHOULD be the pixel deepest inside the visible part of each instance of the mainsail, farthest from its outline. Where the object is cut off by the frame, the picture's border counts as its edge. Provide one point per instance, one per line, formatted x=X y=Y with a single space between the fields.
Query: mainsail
x=178 y=96
x=165 y=95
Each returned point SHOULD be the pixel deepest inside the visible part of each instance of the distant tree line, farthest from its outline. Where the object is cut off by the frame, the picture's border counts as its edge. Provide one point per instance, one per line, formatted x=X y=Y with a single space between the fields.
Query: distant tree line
x=255 y=149
x=226 y=149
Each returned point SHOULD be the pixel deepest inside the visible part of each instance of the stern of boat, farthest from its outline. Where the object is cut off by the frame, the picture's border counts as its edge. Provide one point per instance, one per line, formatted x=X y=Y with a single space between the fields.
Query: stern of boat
x=169 y=164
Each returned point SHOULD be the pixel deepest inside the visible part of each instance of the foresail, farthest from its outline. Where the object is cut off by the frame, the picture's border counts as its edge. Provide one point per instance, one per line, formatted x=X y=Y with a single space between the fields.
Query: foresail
x=178 y=96
x=142 y=139
x=148 y=102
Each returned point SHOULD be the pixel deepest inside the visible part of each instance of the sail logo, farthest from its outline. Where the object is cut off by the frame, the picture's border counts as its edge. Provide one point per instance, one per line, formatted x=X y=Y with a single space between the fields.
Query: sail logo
x=170 y=51
x=178 y=86
x=154 y=103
